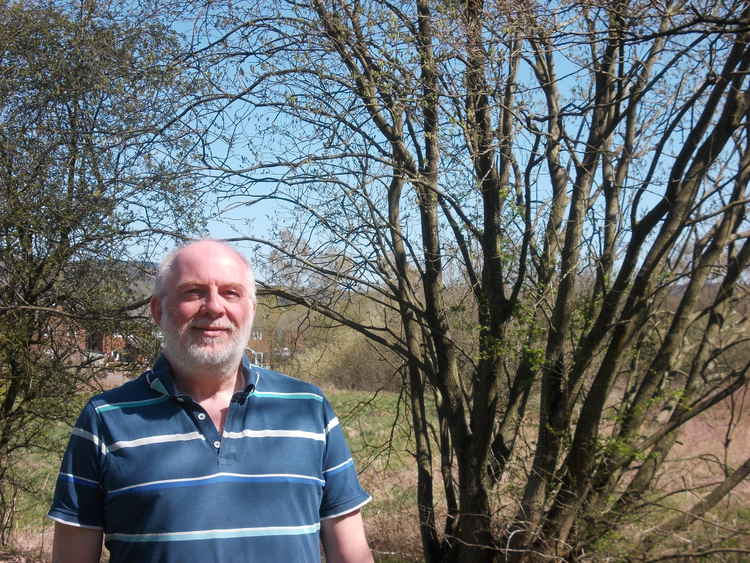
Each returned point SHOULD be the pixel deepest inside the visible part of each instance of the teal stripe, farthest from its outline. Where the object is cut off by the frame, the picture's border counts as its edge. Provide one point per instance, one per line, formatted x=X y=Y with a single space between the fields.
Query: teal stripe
x=303 y=396
x=217 y=534
x=144 y=402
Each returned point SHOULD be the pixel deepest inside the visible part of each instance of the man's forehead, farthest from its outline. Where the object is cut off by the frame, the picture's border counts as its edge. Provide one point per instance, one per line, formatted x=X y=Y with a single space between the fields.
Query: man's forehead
x=207 y=251
x=206 y=264
x=193 y=281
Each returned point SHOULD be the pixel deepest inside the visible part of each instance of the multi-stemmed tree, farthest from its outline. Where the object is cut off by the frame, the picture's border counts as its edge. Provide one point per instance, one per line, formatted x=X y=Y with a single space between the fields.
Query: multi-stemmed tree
x=573 y=174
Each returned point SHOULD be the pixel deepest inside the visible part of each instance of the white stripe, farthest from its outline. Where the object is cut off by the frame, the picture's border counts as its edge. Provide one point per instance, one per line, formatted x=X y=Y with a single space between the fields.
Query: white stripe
x=282 y=394
x=223 y=474
x=73 y=523
x=164 y=438
x=348 y=511
x=86 y=435
x=337 y=466
x=333 y=424
x=80 y=478
x=81 y=433
x=311 y=527
x=275 y=434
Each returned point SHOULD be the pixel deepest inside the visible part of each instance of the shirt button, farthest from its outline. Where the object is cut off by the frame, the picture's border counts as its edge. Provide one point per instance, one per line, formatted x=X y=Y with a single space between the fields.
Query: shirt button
x=217 y=444
x=201 y=416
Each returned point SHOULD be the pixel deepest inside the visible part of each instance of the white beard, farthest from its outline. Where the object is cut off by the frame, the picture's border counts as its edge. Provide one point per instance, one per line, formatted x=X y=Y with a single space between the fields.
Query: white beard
x=188 y=351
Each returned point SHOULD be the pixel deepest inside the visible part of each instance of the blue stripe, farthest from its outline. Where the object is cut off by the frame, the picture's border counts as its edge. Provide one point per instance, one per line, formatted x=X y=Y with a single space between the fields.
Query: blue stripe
x=219 y=479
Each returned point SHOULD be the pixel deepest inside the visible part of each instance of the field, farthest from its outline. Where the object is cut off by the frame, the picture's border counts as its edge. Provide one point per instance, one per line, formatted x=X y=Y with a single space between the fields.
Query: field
x=378 y=433
x=386 y=468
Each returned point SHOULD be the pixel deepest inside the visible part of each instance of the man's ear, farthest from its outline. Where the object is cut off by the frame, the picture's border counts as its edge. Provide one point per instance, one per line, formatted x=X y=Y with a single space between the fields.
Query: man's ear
x=156 y=310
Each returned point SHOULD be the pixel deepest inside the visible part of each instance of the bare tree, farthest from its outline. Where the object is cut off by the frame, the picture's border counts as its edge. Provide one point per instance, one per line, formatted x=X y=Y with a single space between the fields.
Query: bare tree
x=578 y=169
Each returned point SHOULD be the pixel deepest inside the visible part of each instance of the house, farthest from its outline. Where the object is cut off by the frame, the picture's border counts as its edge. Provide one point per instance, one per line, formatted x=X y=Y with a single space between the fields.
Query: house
x=259 y=347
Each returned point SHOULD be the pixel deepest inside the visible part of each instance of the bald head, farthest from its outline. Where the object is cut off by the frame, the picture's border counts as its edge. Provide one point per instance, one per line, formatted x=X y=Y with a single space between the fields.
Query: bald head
x=194 y=251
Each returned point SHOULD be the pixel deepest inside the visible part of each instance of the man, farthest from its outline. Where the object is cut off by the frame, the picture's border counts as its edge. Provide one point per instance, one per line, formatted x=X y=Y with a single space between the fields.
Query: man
x=206 y=458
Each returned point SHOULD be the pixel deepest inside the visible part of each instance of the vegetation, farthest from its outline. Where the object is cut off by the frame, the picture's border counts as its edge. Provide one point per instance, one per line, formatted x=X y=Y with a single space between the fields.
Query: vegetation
x=84 y=94
x=534 y=214
x=547 y=204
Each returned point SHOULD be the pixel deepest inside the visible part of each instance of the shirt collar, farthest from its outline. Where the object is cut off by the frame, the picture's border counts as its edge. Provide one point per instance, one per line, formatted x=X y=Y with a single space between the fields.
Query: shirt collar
x=160 y=379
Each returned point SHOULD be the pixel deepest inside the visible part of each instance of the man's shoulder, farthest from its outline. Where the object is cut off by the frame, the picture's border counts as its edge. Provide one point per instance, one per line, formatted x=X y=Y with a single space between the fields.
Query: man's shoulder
x=135 y=389
x=274 y=381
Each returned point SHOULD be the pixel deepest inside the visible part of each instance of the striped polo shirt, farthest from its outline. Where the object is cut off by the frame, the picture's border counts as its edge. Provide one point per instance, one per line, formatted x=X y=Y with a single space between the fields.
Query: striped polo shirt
x=147 y=466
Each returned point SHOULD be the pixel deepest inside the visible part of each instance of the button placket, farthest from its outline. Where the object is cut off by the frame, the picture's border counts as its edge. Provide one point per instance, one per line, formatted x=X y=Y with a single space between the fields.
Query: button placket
x=201 y=421
x=206 y=427
x=232 y=423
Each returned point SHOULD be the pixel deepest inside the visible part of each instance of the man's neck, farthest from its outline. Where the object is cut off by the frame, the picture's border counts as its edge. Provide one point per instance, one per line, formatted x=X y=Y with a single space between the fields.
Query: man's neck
x=205 y=383
x=213 y=390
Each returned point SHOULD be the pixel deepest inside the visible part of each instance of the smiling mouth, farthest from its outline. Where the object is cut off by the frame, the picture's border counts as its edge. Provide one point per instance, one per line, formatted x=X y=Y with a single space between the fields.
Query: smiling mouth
x=211 y=331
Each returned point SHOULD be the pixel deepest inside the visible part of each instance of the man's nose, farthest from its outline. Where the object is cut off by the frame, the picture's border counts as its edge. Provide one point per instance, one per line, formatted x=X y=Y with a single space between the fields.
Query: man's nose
x=213 y=304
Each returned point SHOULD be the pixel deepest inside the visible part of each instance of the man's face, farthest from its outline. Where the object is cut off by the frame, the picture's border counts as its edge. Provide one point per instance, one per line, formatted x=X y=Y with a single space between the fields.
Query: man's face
x=205 y=313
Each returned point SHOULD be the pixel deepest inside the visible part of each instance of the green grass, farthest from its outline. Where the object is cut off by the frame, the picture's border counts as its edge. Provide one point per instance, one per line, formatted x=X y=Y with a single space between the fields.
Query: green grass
x=377 y=427
x=35 y=474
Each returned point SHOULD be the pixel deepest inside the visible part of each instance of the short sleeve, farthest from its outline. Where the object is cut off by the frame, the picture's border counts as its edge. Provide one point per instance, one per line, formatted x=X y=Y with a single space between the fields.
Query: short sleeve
x=342 y=492
x=79 y=495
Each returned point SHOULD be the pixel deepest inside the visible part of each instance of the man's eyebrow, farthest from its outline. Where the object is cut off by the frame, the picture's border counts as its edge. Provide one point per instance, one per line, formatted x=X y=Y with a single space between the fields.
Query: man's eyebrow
x=232 y=284
x=190 y=285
